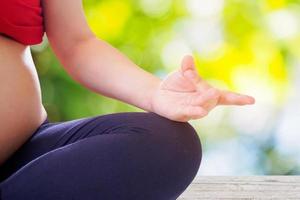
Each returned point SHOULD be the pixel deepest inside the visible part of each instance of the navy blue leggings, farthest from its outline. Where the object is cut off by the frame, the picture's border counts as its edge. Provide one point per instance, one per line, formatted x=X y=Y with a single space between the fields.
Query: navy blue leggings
x=119 y=156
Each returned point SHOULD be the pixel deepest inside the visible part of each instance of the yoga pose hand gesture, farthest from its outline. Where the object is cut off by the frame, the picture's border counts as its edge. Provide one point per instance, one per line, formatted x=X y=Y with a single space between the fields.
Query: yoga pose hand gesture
x=159 y=157
x=184 y=95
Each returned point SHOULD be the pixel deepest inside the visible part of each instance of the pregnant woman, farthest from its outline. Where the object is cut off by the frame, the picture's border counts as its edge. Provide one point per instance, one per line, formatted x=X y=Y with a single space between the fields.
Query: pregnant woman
x=151 y=155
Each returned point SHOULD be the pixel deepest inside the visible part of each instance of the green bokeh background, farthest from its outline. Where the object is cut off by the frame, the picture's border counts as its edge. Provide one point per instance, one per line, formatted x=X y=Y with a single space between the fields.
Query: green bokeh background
x=249 y=46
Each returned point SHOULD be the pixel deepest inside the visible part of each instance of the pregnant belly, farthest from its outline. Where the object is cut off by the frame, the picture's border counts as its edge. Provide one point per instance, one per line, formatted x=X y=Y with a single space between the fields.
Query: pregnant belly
x=21 y=109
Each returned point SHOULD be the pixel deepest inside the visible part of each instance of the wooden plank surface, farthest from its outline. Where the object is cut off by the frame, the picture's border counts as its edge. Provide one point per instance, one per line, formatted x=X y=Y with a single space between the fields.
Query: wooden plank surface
x=243 y=187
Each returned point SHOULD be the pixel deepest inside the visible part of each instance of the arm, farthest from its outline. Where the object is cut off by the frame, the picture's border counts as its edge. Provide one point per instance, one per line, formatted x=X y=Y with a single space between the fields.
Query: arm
x=181 y=96
x=91 y=61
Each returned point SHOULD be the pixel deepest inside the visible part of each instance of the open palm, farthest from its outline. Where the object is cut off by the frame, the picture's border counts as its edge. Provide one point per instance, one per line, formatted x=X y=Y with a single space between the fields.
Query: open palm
x=184 y=95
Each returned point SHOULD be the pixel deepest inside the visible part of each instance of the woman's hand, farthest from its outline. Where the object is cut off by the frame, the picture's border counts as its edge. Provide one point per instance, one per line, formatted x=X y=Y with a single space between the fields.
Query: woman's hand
x=184 y=95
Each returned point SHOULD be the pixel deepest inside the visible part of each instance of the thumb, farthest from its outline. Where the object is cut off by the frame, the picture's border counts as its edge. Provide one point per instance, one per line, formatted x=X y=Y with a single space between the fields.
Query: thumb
x=188 y=69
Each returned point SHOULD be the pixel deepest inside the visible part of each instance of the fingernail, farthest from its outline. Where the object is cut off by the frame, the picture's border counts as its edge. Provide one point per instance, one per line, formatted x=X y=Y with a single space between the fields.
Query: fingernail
x=251 y=100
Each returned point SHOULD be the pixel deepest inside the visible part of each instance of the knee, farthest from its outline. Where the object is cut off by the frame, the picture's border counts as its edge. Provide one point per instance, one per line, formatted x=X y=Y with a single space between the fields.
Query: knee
x=173 y=151
x=163 y=141
x=178 y=139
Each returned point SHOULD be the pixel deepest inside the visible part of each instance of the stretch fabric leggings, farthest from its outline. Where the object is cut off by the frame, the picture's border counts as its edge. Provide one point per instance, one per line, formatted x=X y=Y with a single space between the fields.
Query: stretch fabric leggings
x=118 y=156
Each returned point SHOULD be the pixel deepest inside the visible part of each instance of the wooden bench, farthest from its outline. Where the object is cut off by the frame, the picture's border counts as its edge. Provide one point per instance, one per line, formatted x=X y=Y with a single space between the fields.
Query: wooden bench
x=243 y=187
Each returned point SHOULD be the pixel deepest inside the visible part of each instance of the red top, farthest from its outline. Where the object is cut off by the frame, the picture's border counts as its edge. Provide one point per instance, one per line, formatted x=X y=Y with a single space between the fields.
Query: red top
x=22 y=20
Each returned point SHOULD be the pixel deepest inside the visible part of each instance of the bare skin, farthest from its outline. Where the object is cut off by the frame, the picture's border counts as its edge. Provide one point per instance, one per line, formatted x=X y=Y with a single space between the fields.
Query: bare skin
x=181 y=96
x=20 y=104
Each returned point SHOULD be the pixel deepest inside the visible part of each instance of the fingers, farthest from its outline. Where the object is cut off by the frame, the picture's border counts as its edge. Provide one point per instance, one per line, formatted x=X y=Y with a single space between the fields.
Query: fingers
x=193 y=112
x=203 y=86
x=202 y=98
x=209 y=98
x=188 y=69
x=232 y=98
x=187 y=63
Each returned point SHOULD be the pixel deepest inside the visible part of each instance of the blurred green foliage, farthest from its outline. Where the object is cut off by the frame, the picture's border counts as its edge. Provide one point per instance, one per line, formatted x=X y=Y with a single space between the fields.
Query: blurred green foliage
x=125 y=26
x=252 y=54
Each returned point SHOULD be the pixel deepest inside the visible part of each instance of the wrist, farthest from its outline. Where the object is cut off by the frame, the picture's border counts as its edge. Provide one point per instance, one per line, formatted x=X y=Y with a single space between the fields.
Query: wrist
x=150 y=93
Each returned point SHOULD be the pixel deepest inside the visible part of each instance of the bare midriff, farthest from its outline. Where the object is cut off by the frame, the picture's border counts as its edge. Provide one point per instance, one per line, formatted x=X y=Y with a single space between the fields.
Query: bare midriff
x=21 y=108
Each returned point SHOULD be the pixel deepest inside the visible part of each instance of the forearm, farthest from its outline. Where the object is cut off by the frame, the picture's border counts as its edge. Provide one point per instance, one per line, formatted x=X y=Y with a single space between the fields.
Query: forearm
x=104 y=70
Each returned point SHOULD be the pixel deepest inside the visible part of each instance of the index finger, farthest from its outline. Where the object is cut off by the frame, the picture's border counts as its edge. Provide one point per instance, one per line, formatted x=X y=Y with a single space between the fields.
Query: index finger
x=233 y=98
